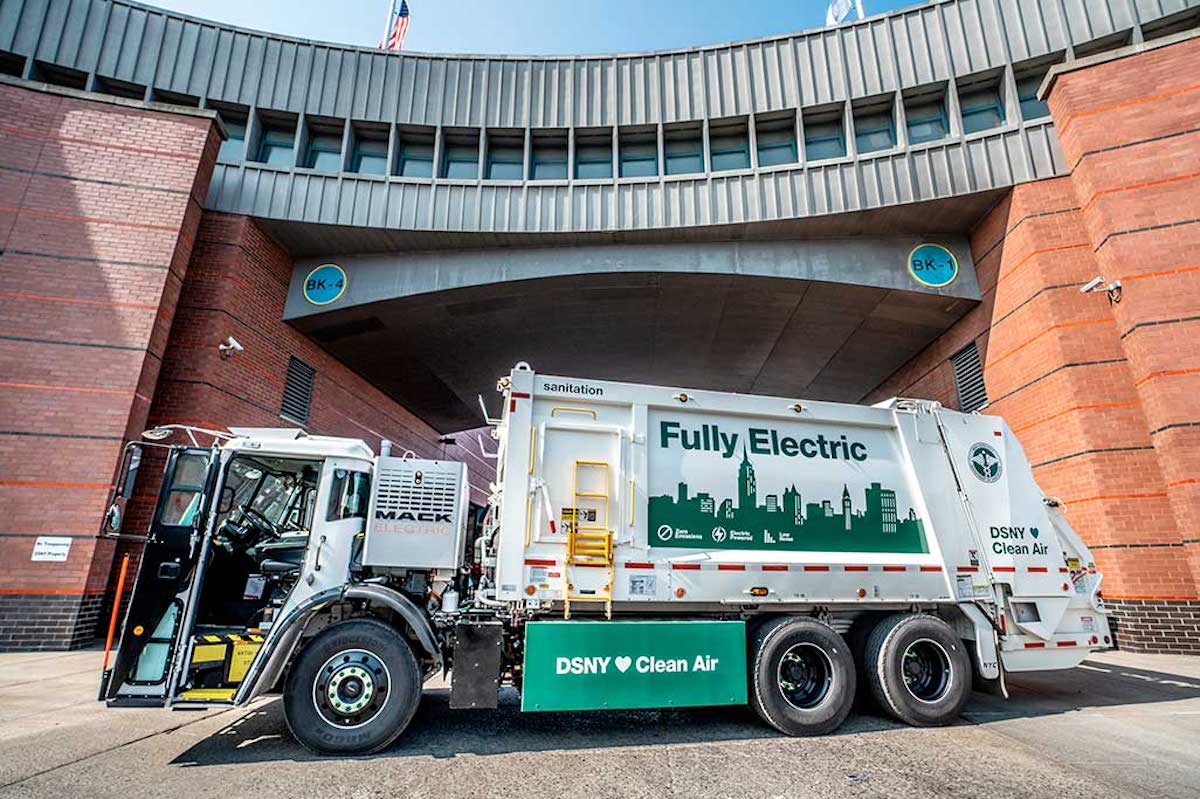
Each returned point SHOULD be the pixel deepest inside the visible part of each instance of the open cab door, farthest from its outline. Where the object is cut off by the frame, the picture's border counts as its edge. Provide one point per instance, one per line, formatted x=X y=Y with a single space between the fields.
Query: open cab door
x=145 y=669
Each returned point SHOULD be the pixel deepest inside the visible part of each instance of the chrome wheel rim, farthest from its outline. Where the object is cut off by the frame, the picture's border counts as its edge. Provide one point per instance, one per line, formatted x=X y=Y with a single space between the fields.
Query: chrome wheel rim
x=805 y=676
x=925 y=666
x=351 y=688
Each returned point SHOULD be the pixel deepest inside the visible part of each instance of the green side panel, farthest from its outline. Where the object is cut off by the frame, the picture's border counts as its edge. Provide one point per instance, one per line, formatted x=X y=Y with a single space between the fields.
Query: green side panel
x=610 y=665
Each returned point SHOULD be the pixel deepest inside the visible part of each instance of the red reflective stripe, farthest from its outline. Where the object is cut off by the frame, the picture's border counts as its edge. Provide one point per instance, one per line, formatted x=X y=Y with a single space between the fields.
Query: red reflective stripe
x=1065 y=643
x=638 y=565
x=856 y=568
x=931 y=568
x=1004 y=568
x=997 y=433
x=1063 y=570
x=812 y=568
x=539 y=562
x=512 y=406
x=686 y=567
x=894 y=568
x=731 y=567
x=1034 y=645
x=774 y=567
x=1038 y=569
x=968 y=568
x=553 y=528
x=519 y=395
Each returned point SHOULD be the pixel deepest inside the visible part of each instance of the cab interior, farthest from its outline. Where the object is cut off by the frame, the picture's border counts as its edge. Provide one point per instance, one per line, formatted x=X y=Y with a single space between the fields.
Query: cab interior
x=260 y=538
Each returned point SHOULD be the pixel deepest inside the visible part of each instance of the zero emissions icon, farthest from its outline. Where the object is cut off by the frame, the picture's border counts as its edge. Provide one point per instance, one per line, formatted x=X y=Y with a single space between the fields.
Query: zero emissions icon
x=985 y=462
x=932 y=265
x=325 y=284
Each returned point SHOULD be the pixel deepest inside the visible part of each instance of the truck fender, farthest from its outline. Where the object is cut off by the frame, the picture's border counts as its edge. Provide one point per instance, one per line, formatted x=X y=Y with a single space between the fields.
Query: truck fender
x=286 y=634
x=407 y=609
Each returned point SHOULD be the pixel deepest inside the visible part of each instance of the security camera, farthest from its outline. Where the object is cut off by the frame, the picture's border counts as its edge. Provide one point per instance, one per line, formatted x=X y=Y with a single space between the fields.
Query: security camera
x=1113 y=289
x=229 y=347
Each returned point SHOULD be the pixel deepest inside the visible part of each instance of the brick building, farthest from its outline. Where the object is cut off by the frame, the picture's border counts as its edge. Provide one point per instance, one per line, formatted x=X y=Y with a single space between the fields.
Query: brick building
x=739 y=217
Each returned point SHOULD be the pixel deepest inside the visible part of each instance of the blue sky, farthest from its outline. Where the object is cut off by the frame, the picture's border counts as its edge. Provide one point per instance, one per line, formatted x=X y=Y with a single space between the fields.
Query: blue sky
x=533 y=27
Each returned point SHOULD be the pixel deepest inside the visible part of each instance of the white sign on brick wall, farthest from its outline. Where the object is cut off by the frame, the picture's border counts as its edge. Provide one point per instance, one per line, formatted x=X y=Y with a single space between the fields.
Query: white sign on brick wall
x=51 y=548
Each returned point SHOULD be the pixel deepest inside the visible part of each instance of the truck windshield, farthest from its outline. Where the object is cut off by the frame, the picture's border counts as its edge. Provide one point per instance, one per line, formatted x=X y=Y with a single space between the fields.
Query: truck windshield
x=280 y=493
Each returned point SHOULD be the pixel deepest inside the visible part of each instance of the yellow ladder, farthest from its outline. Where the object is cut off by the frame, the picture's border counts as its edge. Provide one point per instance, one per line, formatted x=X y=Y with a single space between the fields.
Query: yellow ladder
x=589 y=544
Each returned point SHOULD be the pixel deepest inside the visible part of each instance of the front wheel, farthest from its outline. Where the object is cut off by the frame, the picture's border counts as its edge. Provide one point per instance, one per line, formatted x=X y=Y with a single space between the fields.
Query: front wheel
x=353 y=689
x=802 y=676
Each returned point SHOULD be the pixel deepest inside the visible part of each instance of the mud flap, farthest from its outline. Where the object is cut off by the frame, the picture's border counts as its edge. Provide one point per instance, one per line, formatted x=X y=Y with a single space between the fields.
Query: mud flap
x=475 y=677
x=987 y=651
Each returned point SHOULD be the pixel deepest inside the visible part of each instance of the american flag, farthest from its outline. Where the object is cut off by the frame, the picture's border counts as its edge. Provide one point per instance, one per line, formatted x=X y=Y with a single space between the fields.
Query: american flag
x=395 y=39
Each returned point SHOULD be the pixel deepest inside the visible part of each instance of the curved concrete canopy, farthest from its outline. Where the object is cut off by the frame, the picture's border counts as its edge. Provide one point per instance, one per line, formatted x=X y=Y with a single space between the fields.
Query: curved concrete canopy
x=809 y=335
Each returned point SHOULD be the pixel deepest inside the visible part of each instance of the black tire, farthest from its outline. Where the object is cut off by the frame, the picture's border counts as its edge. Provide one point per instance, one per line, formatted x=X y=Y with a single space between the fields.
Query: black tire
x=918 y=669
x=353 y=689
x=815 y=664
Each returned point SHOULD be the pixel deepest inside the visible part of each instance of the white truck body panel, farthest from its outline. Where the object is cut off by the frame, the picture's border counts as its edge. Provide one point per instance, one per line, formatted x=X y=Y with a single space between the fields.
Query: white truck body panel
x=714 y=495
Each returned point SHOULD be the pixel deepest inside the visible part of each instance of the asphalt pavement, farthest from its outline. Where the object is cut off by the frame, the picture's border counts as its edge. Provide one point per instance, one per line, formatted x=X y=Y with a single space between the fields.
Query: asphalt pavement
x=1122 y=725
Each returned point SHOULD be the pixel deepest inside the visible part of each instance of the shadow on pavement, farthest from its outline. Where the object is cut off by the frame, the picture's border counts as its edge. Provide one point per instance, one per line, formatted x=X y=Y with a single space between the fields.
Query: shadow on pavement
x=262 y=735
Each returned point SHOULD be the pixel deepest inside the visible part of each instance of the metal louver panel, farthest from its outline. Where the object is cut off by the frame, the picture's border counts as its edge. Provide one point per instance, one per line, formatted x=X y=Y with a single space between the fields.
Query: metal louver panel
x=415 y=488
x=968 y=379
x=297 y=391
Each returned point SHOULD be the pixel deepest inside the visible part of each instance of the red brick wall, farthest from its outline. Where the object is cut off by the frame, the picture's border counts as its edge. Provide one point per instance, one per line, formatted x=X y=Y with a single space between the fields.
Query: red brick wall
x=236 y=286
x=98 y=205
x=1130 y=131
x=1104 y=398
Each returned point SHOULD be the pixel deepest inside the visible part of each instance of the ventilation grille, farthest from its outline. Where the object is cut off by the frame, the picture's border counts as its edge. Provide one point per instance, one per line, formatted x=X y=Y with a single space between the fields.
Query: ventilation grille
x=968 y=379
x=415 y=489
x=297 y=391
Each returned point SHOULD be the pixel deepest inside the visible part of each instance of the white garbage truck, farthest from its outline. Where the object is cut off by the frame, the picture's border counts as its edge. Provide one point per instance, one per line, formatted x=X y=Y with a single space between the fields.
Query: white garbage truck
x=641 y=547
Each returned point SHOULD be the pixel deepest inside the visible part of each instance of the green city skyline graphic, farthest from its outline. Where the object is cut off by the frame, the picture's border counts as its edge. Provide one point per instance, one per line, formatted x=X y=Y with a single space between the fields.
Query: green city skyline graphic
x=702 y=521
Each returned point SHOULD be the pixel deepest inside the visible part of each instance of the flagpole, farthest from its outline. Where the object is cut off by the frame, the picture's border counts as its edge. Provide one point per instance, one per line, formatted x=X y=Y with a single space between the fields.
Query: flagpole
x=387 y=26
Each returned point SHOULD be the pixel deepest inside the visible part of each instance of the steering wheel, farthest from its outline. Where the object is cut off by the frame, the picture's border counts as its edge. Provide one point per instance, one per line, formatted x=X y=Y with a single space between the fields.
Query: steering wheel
x=260 y=523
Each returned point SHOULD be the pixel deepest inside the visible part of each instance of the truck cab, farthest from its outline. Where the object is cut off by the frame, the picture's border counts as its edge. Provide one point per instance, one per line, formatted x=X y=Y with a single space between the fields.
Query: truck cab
x=249 y=536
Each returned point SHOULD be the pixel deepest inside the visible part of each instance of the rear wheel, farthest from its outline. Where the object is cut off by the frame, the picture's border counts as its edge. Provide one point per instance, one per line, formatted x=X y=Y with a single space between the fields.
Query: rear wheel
x=353 y=689
x=918 y=669
x=802 y=676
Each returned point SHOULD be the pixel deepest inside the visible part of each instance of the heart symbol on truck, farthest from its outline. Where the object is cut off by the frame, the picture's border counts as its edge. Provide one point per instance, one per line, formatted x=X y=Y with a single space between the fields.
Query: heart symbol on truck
x=1033 y=531
x=623 y=663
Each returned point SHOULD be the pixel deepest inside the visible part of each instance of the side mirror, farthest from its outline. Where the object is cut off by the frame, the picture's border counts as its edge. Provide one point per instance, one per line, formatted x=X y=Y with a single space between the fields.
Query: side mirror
x=112 y=518
x=129 y=471
x=226 y=503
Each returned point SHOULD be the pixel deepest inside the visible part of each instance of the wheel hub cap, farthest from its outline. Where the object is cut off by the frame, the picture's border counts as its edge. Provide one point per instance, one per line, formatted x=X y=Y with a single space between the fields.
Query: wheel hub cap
x=351 y=688
x=805 y=675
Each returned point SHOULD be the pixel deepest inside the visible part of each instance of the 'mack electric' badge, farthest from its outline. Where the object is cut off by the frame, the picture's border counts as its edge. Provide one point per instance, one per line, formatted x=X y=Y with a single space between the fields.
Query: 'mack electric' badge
x=932 y=265
x=325 y=284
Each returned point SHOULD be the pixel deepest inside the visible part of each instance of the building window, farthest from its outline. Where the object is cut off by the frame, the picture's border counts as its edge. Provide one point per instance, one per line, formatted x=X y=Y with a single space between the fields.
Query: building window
x=824 y=136
x=729 y=146
x=593 y=156
x=414 y=155
x=776 y=140
x=549 y=158
x=297 y=391
x=233 y=149
x=276 y=145
x=981 y=106
x=324 y=152
x=460 y=161
x=925 y=118
x=639 y=154
x=1031 y=106
x=874 y=128
x=505 y=158
x=683 y=150
x=369 y=157
x=968 y=379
